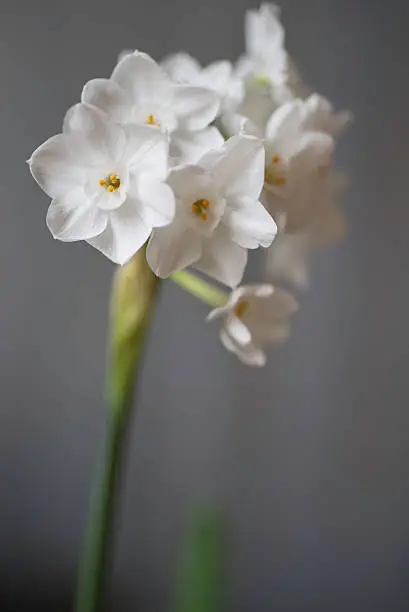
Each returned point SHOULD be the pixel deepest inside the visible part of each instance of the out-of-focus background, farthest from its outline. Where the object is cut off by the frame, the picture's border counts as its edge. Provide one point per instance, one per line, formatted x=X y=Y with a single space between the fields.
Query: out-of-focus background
x=308 y=457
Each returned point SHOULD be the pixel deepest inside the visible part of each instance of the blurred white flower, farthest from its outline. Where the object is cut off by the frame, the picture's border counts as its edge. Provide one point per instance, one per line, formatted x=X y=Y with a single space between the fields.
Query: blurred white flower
x=218 y=76
x=106 y=182
x=140 y=92
x=265 y=59
x=218 y=215
x=289 y=257
x=254 y=317
x=291 y=146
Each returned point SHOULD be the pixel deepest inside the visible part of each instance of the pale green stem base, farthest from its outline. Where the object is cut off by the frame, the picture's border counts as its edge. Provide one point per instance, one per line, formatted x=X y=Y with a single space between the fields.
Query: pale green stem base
x=211 y=295
x=132 y=302
x=133 y=298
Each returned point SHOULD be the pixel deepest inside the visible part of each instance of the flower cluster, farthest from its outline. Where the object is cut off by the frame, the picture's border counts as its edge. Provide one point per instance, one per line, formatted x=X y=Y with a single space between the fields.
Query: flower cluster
x=202 y=164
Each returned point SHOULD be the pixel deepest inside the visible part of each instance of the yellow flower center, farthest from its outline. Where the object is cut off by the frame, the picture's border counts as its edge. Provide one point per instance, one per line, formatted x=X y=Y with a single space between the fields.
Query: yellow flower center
x=270 y=174
x=240 y=308
x=110 y=182
x=200 y=207
x=150 y=120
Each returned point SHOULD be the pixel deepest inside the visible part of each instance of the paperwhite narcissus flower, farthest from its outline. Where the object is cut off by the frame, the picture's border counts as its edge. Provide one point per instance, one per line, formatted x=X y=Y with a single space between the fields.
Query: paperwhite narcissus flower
x=106 y=182
x=218 y=215
x=254 y=317
x=289 y=257
x=265 y=59
x=140 y=92
x=218 y=76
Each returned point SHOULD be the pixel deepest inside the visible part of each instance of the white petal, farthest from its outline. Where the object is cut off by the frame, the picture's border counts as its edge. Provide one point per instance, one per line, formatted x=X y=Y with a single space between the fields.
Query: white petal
x=195 y=107
x=125 y=233
x=283 y=127
x=249 y=223
x=248 y=354
x=142 y=78
x=58 y=165
x=146 y=151
x=109 y=97
x=189 y=180
x=233 y=123
x=189 y=147
x=75 y=218
x=181 y=67
x=222 y=259
x=263 y=29
x=105 y=138
x=239 y=166
x=172 y=248
x=158 y=201
x=315 y=149
x=289 y=259
x=237 y=330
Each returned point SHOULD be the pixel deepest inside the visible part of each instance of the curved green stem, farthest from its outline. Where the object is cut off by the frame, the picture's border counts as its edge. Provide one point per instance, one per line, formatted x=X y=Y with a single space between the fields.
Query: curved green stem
x=132 y=300
x=211 y=295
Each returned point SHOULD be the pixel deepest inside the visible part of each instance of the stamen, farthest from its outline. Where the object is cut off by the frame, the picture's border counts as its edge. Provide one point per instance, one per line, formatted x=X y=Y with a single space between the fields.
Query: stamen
x=199 y=208
x=151 y=121
x=110 y=182
x=276 y=159
x=240 y=308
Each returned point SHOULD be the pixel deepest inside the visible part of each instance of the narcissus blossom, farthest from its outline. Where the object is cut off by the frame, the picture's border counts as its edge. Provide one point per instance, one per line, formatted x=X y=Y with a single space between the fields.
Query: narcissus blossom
x=218 y=76
x=254 y=317
x=289 y=257
x=140 y=92
x=218 y=215
x=265 y=59
x=107 y=182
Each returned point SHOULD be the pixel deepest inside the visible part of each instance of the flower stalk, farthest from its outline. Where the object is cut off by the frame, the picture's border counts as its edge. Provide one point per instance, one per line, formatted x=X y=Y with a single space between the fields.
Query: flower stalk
x=204 y=291
x=133 y=296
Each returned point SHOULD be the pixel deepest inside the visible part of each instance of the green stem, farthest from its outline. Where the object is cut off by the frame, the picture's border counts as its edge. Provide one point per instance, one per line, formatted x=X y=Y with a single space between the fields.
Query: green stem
x=133 y=296
x=211 y=295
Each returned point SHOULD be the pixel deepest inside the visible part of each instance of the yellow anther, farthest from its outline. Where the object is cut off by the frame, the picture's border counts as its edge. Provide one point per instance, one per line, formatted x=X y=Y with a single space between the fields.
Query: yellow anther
x=241 y=306
x=149 y=119
x=279 y=180
x=199 y=208
x=276 y=159
x=102 y=182
x=112 y=177
x=110 y=188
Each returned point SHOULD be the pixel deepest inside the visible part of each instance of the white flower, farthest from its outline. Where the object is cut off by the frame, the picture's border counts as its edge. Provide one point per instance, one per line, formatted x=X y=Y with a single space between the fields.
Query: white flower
x=265 y=59
x=253 y=317
x=218 y=215
x=297 y=159
x=218 y=76
x=140 y=92
x=106 y=182
x=289 y=257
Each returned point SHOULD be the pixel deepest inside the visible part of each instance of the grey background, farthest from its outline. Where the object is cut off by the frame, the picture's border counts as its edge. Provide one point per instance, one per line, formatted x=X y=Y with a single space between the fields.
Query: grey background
x=309 y=457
